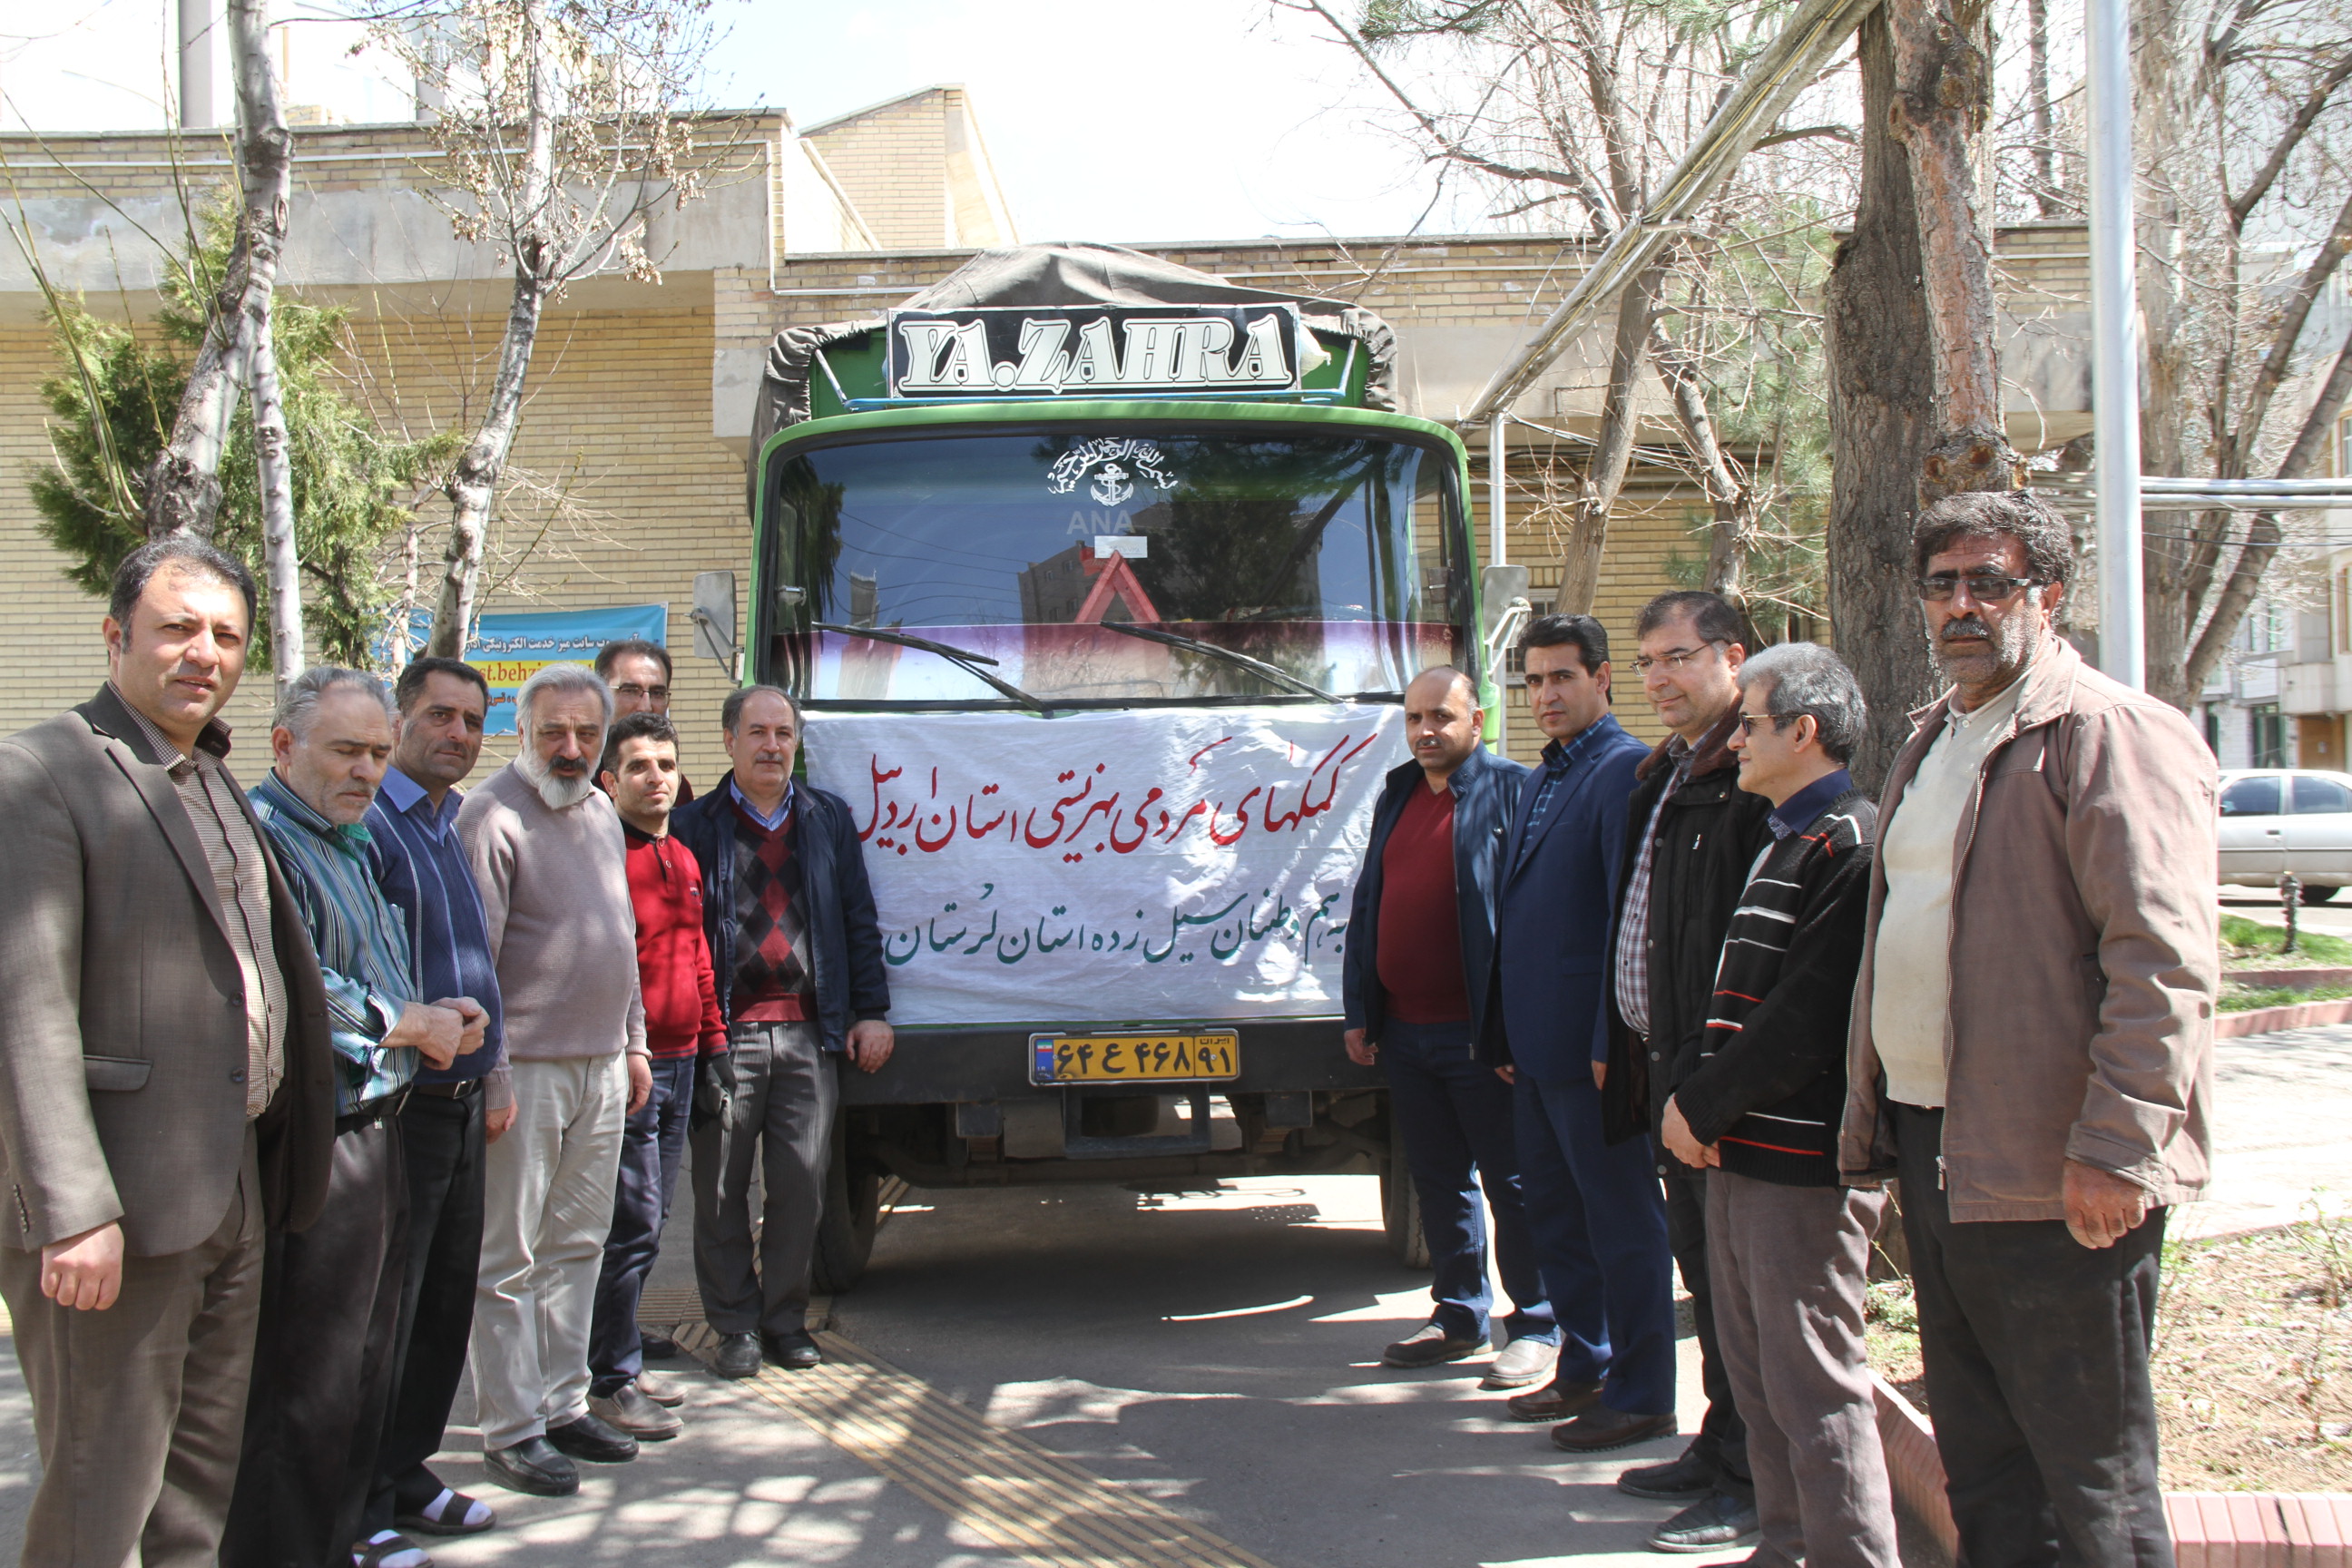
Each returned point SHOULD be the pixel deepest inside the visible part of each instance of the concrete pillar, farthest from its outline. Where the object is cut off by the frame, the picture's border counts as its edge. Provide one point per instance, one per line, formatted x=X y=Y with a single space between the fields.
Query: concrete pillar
x=200 y=33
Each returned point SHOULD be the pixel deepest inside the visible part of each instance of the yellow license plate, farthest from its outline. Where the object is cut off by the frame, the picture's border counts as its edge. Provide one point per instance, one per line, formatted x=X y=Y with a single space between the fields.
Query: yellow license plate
x=1134 y=1059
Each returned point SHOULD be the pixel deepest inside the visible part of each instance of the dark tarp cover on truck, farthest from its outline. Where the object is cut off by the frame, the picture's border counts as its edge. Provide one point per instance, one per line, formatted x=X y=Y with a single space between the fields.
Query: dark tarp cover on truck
x=1063 y=275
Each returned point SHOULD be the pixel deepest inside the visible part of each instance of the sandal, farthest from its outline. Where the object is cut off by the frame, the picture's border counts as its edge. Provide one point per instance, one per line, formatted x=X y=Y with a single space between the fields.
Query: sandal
x=389 y=1549
x=451 y=1513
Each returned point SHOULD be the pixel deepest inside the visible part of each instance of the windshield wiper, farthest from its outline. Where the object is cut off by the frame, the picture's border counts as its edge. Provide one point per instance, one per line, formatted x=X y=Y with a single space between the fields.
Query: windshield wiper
x=964 y=658
x=1127 y=628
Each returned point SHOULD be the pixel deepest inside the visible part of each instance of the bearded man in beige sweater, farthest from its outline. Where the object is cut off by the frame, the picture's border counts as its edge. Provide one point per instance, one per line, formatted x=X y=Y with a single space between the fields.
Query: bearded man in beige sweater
x=548 y=856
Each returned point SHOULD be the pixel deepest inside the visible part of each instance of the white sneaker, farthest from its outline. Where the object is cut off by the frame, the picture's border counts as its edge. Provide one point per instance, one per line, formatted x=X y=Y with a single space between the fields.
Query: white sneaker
x=1521 y=1362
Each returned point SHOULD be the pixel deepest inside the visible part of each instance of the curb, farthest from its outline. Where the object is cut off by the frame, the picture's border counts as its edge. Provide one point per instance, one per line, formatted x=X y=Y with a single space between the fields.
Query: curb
x=2300 y=979
x=2293 y=1016
x=2210 y=1530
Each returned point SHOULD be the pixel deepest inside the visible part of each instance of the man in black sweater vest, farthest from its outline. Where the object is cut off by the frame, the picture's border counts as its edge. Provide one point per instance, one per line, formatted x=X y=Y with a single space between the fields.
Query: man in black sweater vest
x=1788 y=1247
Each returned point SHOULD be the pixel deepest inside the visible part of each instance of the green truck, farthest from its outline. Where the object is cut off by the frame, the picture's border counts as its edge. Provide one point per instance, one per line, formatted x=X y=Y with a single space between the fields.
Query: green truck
x=1100 y=580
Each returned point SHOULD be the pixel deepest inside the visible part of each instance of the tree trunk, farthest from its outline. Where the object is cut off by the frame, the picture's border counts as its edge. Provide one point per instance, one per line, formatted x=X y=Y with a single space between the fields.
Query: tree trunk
x=265 y=170
x=1726 y=488
x=2037 y=94
x=1881 y=378
x=1942 y=91
x=183 y=484
x=473 y=487
x=2262 y=535
x=2170 y=590
x=1580 y=576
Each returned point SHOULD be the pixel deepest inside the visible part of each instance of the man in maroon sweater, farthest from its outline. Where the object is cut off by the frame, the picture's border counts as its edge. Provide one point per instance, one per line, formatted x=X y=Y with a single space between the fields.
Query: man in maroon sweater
x=682 y=1023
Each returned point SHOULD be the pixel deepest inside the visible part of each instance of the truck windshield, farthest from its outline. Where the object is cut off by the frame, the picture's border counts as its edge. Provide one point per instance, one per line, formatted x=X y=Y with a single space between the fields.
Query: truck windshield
x=1333 y=558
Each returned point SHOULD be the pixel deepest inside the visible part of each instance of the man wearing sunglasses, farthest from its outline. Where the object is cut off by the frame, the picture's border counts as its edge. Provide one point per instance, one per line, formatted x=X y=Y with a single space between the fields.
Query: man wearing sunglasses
x=2031 y=1042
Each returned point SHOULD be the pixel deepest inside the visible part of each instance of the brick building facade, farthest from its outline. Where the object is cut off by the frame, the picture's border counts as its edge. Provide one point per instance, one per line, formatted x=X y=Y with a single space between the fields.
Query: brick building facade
x=640 y=398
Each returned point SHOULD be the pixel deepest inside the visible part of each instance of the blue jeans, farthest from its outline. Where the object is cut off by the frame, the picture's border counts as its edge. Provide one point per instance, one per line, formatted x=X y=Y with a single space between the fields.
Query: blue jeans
x=1454 y=1116
x=653 y=1146
x=1599 y=1223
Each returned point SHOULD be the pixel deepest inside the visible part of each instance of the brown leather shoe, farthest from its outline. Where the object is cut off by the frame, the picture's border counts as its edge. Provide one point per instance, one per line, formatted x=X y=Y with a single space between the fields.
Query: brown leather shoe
x=1552 y=1402
x=1600 y=1429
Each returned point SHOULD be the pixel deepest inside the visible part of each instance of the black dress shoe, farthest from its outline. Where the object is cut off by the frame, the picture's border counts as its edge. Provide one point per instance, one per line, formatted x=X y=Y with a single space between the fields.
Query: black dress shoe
x=658 y=1347
x=533 y=1467
x=586 y=1437
x=1553 y=1402
x=738 y=1356
x=1717 y=1523
x=794 y=1351
x=1600 y=1429
x=1685 y=1479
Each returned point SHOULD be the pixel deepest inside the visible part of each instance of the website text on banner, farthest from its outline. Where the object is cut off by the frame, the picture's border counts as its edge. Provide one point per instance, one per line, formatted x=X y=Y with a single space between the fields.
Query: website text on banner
x=510 y=646
x=1111 y=867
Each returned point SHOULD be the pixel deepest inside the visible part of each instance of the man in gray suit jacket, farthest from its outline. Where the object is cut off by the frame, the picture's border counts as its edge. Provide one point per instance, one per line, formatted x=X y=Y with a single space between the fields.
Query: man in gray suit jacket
x=167 y=1088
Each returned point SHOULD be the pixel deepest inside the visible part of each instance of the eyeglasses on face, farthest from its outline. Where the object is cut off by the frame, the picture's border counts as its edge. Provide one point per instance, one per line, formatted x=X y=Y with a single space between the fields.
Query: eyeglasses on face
x=1984 y=587
x=631 y=689
x=1677 y=660
x=1747 y=722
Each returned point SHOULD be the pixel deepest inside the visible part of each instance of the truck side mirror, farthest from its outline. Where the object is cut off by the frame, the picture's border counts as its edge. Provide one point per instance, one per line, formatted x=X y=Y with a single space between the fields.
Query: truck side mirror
x=714 y=618
x=1502 y=609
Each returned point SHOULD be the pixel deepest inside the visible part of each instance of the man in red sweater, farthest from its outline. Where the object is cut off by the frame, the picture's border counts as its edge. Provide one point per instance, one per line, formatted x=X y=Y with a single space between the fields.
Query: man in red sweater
x=682 y=1023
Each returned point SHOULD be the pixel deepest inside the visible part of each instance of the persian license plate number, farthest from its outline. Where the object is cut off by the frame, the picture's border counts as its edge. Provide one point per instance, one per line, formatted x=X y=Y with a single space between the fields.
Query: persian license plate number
x=1134 y=1059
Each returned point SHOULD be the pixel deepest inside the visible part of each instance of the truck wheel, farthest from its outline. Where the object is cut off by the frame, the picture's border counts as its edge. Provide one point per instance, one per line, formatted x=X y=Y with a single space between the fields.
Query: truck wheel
x=2312 y=895
x=853 y=1213
x=1401 y=1211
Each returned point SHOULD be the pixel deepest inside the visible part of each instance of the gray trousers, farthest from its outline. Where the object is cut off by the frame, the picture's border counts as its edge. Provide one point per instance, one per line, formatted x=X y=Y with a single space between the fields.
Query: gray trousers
x=139 y=1409
x=1788 y=1265
x=787 y=1089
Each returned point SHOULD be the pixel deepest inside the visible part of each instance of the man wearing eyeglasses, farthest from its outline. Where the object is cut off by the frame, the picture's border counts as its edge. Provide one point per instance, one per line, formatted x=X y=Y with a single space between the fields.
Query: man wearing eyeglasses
x=639 y=672
x=1692 y=835
x=2031 y=1042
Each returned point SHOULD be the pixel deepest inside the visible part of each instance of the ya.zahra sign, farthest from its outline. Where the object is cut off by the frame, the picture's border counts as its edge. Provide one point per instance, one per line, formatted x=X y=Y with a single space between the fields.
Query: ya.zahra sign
x=1041 y=352
x=1136 y=868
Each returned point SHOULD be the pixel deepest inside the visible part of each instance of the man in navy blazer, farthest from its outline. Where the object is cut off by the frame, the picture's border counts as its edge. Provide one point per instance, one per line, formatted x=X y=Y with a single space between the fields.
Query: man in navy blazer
x=1599 y=1218
x=1421 y=926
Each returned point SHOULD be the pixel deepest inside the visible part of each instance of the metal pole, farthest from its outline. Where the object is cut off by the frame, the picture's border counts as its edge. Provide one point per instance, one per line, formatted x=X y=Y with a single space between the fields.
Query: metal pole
x=1498 y=502
x=197 y=26
x=2115 y=340
x=1498 y=516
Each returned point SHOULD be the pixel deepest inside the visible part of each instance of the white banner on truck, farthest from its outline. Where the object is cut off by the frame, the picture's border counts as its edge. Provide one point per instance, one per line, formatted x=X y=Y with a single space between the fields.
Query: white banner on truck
x=1135 y=866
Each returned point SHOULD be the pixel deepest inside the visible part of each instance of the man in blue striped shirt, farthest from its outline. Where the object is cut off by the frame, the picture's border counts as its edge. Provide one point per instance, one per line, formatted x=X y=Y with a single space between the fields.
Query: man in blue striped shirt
x=331 y=1294
x=454 y=1112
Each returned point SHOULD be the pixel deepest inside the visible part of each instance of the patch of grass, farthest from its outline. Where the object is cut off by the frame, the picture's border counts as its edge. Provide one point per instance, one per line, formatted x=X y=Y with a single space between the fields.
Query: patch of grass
x=2246 y=998
x=2250 y=944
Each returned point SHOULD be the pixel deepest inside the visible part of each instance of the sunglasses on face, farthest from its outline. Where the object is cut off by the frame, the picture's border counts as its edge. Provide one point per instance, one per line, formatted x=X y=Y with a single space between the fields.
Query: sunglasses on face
x=1984 y=587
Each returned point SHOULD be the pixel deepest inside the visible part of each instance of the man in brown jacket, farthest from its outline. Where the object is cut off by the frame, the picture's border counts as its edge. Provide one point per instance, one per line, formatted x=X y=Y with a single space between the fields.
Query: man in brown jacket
x=165 y=1076
x=2033 y=1040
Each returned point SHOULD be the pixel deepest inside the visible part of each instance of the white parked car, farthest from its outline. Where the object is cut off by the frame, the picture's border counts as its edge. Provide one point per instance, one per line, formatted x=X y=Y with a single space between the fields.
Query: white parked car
x=2276 y=820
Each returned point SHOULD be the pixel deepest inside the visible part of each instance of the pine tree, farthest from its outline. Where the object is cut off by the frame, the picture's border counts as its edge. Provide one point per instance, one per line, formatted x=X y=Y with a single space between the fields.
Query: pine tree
x=112 y=401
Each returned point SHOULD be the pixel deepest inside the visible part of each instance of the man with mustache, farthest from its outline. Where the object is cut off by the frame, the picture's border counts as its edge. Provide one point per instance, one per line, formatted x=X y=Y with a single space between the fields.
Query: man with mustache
x=549 y=858
x=453 y=1113
x=331 y=1294
x=797 y=956
x=166 y=1078
x=2031 y=1042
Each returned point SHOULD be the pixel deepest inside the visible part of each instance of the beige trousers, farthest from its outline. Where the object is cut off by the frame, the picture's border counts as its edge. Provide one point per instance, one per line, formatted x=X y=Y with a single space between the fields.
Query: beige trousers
x=547 y=1206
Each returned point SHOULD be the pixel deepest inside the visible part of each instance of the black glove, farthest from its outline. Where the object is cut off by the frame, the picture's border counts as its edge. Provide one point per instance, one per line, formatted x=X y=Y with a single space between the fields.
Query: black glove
x=714 y=1084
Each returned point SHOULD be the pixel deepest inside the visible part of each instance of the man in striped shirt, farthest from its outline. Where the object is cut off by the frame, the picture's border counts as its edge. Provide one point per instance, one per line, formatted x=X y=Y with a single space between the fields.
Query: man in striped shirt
x=1788 y=1246
x=331 y=1295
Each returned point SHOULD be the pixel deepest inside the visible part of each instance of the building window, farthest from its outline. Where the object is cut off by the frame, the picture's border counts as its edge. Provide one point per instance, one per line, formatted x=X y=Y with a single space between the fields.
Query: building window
x=2269 y=736
x=1515 y=669
x=2212 y=729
